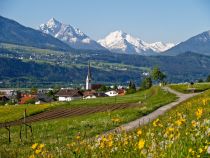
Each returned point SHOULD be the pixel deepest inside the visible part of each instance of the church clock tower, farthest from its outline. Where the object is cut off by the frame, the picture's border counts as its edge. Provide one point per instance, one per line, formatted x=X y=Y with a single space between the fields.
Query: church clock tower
x=88 y=79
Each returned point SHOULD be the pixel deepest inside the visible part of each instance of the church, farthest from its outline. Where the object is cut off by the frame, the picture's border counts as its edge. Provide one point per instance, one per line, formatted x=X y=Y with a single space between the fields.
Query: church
x=88 y=79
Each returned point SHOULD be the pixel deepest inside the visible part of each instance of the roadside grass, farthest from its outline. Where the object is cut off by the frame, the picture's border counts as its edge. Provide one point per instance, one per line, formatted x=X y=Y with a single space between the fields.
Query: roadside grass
x=185 y=88
x=59 y=132
x=11 y=112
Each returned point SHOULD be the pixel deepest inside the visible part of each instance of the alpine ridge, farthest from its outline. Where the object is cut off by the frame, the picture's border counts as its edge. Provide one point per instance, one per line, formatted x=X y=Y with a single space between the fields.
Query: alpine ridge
x=198 y=44
x=70 y=35
x=122 y=42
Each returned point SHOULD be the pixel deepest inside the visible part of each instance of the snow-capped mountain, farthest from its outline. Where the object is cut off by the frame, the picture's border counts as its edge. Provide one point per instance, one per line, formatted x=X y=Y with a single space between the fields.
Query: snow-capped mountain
x=70 y=35
x=122 y=42
x=198 y=44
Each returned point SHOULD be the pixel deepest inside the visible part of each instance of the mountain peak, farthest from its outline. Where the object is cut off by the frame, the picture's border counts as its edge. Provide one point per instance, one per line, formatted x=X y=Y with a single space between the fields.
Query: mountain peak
x=53 y=23
x=70 y=35
x=121 y=42
x=199 y=44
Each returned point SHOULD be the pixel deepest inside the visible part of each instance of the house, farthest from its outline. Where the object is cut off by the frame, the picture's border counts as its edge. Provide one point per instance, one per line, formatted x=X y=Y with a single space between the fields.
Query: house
x=89 y=94
x=43 y=98
x=111 y=93
x=101 y=94
x=3 y=99
x=121 y=92
x=69 y=95
x=26 y=98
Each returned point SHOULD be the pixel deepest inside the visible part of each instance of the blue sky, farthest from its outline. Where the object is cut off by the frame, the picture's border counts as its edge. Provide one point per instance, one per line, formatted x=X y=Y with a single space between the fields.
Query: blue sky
x=150 y=20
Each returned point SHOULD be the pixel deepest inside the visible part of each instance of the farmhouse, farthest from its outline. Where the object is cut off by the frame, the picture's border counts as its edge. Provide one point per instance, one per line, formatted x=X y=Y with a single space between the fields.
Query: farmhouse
x=89 y=94
x=43 y=98
x=69 y=95
x=111 y=93
x=25 y=98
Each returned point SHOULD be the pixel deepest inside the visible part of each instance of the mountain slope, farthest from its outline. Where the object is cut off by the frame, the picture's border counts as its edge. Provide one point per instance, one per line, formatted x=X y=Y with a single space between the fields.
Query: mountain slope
x=70 y=35
x=198 y=44
x=15 y=33
x=122 y=42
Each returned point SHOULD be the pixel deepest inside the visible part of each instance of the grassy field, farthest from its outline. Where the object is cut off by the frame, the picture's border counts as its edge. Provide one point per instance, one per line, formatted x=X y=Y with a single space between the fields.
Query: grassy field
x=184 y=88
x=57 y=133
x=183 y=132
x=10 y=113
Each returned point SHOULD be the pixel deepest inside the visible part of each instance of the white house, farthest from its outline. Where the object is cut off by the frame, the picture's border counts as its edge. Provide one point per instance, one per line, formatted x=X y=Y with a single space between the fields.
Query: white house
x=111 y=93
x=69 y=95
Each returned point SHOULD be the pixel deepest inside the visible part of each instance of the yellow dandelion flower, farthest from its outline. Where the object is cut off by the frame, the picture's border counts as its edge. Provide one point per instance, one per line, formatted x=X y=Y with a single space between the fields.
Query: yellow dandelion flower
x=41 y=146
x=141 y=144
x=31 y=156
x=199 y=113
x=200 y=150
x=179 y=123
x=190 y=150
x=34 y=146
x=38 y=151
x=110 y=143
x=155 y=123
x=139 y=132
x=193 y=123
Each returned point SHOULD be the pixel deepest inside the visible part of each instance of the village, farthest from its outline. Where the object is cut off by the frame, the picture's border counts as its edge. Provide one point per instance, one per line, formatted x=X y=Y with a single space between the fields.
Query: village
x=48 y=95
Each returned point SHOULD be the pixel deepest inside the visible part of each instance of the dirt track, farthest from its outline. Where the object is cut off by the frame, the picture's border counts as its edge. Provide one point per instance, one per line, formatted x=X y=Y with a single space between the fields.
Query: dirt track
x=68 y=112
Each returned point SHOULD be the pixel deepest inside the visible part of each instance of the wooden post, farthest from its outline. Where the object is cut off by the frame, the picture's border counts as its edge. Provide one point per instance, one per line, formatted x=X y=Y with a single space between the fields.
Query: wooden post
x=25 y=123
x=8 y=128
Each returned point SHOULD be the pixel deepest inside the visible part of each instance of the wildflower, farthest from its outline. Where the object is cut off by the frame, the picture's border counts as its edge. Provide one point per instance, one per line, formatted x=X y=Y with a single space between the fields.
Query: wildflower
x=179 y=123
x=200 y=150
x=77 y=137
x=141 y=144
x=41 y=146
x=34 y=146
x=199 y=113
x=38 y=151
x=139 y=132
x=190 y=150
x=32 y=156
x=110 y=143
x=193 y=123
x=156 y=123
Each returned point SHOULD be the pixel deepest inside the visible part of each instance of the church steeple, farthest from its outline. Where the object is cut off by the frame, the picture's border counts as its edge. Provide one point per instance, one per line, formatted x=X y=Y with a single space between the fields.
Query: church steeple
x=89 y=71
x=89 y=78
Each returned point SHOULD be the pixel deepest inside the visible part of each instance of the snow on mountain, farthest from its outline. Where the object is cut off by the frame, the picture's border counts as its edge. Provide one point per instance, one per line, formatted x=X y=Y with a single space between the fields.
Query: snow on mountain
x=122 y=42
x=161 y=47
x=70 y=35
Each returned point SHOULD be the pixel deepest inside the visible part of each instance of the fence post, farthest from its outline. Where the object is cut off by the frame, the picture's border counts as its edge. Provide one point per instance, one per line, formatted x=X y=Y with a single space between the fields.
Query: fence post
x=20 y=134
x=8 y=128
x=25 y=123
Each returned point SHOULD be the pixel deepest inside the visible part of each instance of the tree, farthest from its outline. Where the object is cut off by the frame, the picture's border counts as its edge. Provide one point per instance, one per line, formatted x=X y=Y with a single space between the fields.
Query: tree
x=157 y=75
x=208 y=78
x=147 y=83
x=103 y=88
x=34 y=90
x=131 y=88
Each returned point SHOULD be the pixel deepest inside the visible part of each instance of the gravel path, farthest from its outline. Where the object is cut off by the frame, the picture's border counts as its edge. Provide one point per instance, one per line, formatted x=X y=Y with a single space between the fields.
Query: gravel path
x=152 y=116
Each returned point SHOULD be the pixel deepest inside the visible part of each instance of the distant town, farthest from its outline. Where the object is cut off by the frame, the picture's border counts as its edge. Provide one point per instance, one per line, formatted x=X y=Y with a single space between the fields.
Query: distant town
x=47 y=95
